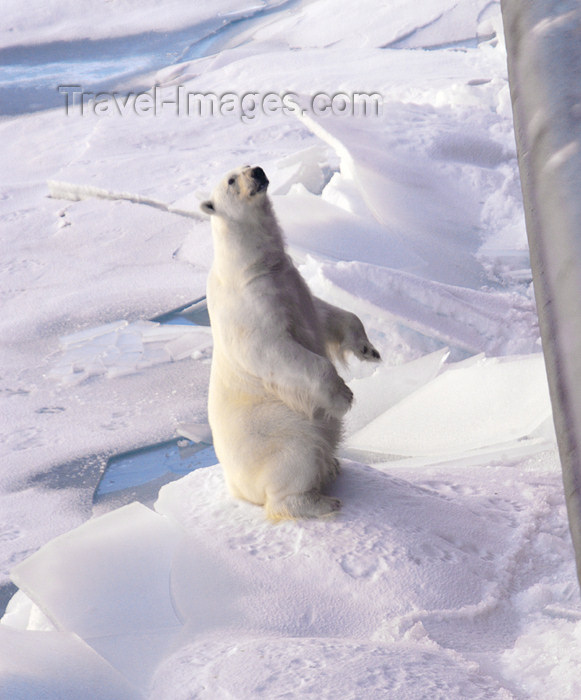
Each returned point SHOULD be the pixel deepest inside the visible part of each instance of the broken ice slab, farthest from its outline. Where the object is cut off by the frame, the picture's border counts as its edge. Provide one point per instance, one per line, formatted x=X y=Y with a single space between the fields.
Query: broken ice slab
x=130 y=341
x=138 y=467
x=195 y=432
x=153 y=332
x=108 y=583
x=153 y=356
x=388 y=386
x=194 y=313
x=190 y=342
x=128 y=363
x=56 y=665
x=130 y=348
x=488 y=402
x=94 y=334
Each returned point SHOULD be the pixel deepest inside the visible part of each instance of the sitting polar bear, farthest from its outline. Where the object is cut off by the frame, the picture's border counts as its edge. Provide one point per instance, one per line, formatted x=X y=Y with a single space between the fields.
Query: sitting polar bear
x=275 y=399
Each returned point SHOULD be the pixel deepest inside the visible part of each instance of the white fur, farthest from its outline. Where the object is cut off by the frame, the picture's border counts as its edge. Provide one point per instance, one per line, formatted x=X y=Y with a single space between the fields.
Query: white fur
x=275 y=399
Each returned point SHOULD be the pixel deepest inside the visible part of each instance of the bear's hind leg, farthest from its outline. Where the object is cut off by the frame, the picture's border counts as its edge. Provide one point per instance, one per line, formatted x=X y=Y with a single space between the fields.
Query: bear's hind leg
x=332 y=470
x=297 y=460
x=302 y=505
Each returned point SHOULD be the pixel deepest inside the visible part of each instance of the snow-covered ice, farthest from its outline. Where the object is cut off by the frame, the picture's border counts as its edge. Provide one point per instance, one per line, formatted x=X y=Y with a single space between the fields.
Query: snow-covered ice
x=449 y=572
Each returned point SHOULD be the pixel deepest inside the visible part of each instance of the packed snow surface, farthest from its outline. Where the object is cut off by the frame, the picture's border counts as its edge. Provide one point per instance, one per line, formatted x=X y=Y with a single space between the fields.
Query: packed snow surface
x=449 y=572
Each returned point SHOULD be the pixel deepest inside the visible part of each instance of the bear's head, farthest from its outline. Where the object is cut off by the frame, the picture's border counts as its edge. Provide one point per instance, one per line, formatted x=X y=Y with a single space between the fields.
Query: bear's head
x=240 y=190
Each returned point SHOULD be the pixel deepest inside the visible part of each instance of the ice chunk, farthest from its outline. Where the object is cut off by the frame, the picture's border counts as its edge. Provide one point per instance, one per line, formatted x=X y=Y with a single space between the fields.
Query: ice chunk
x=188 y=342
x=388 y=386
x=194 y=313
x=127 y=363
x=308 y=167
x=489 y=402
x=153 y=356
x=141 y=466
x=196 y=432
x=130 y=341
x=157 y=332
x=108 y=582
x=122 y=348
x=22 y=614
x=103 y=334
x=56 y=666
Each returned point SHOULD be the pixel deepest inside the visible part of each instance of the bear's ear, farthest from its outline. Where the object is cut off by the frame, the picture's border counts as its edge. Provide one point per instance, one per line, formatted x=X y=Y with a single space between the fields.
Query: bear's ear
x=208 y=207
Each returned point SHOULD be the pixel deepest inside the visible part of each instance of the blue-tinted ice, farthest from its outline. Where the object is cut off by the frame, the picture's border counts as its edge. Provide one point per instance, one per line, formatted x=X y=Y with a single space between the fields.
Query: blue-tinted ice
x=194 y=313
x=138 y=467
x=174 y=457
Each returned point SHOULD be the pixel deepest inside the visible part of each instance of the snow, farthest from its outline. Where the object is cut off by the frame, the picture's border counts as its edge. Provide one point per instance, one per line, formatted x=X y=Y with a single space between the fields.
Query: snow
x=46 y=22
x=449 y=571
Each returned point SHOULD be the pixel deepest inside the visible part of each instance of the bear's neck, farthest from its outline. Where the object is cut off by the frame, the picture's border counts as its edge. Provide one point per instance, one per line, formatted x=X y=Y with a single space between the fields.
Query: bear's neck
x=242 y=250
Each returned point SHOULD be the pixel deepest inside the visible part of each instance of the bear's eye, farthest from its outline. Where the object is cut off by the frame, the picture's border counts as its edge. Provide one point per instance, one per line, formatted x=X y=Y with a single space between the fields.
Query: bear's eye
x=231 y=181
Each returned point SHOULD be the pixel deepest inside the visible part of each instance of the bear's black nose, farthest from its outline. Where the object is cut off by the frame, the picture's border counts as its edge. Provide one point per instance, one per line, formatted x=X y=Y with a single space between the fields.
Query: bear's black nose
x=259 y=176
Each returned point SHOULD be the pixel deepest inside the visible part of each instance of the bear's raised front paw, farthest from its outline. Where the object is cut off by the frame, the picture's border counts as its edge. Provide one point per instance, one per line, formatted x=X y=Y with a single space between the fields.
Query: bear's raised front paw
x=334 y=395
x=346 y=396
x=341 y=398
x=366 y=351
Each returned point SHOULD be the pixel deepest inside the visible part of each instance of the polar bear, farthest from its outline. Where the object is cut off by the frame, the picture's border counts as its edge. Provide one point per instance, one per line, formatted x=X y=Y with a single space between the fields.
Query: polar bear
x=275 y=398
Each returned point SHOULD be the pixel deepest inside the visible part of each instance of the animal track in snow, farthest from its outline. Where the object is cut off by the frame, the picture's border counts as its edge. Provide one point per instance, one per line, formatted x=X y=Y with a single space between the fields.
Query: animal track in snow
x=8 y=532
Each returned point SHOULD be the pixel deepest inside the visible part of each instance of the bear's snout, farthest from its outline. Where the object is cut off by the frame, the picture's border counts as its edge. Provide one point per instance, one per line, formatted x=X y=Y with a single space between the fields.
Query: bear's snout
x=260 y=179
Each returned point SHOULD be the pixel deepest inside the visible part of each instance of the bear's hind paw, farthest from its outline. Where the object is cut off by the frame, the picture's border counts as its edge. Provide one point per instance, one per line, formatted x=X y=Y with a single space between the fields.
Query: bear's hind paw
x=303 y=505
